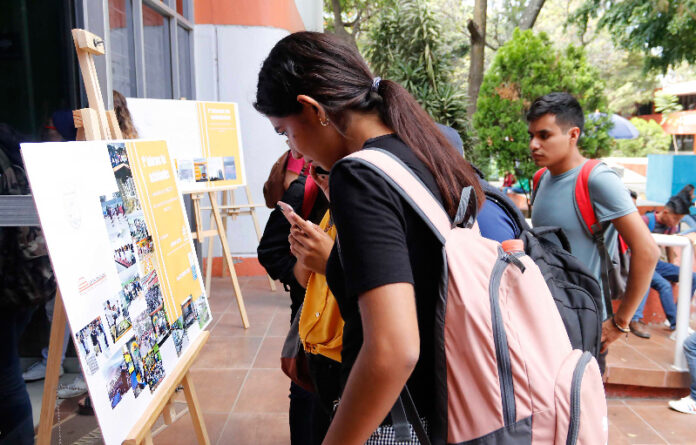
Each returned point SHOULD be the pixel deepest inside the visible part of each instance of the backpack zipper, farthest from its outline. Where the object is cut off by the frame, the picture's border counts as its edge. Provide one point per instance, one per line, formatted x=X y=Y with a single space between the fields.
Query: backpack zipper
x=502 y=351
x=576 y=383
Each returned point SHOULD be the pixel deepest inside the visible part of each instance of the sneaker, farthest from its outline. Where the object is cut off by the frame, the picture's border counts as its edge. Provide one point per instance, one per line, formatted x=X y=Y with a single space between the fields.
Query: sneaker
x=37 y=371
x=639 y=329
x=76 y=388
x=667 y=324
x=686 y=405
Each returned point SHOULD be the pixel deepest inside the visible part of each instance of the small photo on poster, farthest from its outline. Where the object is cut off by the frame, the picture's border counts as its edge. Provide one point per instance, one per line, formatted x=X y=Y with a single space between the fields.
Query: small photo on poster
x=114 y=213
x=137 y=226
x=149 y=280
x=93 y=344
x=124 y=256
x=203 y=311
x=117 y=379
x=117 y=154
x=188 y=312
x=159 y=321
x=180 y=336
x=146 y=255
x=215 y=169
x=116 y=314
x=184 y=168
x=200 y=169
x=230 y=168
x=131 y=289
x=134 y=366
x=153 y=298
x=154 y=370
x=144 y=332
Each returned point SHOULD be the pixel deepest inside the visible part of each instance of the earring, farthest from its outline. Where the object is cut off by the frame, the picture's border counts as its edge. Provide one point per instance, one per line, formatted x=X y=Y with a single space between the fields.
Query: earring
x=324 y=123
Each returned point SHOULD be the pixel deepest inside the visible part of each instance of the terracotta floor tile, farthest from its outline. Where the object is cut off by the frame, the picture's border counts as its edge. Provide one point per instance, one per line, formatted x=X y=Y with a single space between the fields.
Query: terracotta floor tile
x=217 y=389
x=675 y=427
x=264 y=391
x=280 y=323
x=182 y=432
x=623 y=355
x=228 y=352
x=269 y=353
x=218 y=304
x=625 y=423
x=259 y=429
x=229 y=324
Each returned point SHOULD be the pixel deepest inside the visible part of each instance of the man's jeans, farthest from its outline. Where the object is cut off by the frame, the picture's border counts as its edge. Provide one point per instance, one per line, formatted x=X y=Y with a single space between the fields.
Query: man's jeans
x=16 y=422
x=690 y=352
x=665 y=274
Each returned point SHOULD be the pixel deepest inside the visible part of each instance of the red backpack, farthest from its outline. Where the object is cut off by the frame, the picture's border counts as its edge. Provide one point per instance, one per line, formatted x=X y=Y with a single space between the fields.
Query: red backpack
x=505 y=371
x=615 y=264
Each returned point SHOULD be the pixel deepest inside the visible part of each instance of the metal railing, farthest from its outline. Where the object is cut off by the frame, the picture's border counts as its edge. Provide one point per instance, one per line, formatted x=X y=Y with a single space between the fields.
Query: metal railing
x=684 y=298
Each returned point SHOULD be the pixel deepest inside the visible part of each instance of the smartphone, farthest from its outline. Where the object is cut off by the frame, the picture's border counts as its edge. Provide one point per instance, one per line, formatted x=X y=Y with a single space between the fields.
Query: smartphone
x=288 y=212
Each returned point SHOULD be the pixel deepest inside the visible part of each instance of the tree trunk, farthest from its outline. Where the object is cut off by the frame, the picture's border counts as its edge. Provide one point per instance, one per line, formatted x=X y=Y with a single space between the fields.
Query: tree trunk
x=477 y=30
x=339 y=28
x=530 y=14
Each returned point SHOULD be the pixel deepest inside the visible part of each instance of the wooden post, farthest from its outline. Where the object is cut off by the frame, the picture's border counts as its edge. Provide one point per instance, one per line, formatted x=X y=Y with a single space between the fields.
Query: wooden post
x=228 y=255
x=55 y=353
x=196 y=414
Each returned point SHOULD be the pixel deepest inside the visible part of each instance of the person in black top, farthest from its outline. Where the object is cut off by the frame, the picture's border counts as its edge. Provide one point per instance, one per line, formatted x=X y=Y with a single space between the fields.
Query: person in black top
x=319 y=92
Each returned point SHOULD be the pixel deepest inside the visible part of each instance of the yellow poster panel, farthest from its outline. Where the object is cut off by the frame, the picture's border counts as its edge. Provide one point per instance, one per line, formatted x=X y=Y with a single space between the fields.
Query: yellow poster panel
x=163 y=210
x=221 y=164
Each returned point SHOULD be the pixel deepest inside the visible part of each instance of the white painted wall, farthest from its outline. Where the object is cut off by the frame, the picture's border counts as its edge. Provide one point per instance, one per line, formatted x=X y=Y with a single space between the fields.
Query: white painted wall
x=227 y=63
x=228 y=59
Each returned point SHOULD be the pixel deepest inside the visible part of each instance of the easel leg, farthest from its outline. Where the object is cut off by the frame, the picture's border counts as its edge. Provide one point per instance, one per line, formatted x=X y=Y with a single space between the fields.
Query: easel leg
x=225 y=201
x=148 y=439
x=209 y=261
x=258 y=231
x=228 y=256
x=194 y=410
x=55 y=351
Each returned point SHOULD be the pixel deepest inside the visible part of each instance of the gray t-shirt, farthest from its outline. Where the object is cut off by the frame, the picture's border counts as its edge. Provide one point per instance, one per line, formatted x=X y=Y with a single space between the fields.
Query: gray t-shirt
x=554 y=205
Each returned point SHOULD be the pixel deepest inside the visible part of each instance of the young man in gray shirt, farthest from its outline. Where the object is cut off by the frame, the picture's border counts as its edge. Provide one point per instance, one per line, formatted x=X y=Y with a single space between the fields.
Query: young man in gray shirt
x=556 y=122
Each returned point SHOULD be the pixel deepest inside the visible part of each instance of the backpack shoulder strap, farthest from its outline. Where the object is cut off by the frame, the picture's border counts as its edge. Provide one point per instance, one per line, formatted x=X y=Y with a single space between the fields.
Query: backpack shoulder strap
x=583 y=201
x=651 y=220
x=408 y=185
x=536 y=180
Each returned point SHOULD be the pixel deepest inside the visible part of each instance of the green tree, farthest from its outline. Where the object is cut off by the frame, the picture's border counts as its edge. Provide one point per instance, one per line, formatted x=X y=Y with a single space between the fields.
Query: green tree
x=667 y=104
x=664 y=30
x=406 y=45
x=652 y=140
x=523 y=69
x=348 y=18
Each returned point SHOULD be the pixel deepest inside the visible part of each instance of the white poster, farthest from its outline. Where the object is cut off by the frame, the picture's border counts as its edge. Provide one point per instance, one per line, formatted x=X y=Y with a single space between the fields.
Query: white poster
x=204 y=139
x=122 y=254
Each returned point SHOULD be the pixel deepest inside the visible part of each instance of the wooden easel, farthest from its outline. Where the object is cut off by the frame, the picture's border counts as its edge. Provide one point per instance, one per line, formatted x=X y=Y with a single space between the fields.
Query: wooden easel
x=95 y=123
x=221 y=212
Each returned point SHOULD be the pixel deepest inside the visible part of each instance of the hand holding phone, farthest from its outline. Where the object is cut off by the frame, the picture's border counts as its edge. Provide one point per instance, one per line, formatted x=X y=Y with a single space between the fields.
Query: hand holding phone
x=292 y=217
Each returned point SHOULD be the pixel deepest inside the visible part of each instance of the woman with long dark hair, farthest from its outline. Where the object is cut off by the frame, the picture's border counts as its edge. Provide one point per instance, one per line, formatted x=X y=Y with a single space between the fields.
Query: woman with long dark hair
x=318 y=92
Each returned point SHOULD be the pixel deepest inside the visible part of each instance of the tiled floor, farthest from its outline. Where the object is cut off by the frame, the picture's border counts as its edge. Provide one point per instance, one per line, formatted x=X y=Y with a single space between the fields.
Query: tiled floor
x=244 y=395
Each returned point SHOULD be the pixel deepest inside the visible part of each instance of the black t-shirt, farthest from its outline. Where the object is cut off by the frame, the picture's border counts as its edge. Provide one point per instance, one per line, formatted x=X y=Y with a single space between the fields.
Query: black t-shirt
x=383 y=241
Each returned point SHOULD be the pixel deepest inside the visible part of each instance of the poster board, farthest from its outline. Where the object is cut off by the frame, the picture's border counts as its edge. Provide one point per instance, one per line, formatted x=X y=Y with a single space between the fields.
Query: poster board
x=204 y=139
x=123 y=257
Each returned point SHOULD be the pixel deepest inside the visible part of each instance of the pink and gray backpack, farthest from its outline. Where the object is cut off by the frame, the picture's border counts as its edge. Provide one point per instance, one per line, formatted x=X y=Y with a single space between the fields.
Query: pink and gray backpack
x=505 y=370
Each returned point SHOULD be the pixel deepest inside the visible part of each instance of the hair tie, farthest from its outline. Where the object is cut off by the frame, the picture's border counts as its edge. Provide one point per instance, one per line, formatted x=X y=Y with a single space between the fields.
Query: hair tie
x=375 y=84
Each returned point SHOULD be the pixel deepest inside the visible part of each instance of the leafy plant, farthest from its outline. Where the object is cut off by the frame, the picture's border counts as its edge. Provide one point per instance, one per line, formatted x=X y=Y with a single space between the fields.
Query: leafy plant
x=406 y=45
x=652 y=139
x=523 y=69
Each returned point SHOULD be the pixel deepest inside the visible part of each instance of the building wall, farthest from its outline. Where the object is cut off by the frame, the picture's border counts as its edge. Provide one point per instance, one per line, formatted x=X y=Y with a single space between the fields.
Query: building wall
x=232 y=39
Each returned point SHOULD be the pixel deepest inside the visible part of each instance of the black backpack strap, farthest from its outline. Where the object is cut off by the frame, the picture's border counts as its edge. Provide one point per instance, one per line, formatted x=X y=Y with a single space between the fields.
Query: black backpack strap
x=606 y=265
x=404 y=413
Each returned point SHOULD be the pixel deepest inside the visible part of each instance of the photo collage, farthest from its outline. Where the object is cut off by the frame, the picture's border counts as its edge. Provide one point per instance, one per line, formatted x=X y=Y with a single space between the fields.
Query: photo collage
x=208 y=169
x=136 y=312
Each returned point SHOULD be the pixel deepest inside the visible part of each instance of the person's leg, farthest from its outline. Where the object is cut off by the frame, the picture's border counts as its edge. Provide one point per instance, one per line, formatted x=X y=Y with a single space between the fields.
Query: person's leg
x=639 y=312
x=687 y=404
x=16 y=421
x=664 y=288
x=690 y=353
x=301 y=415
